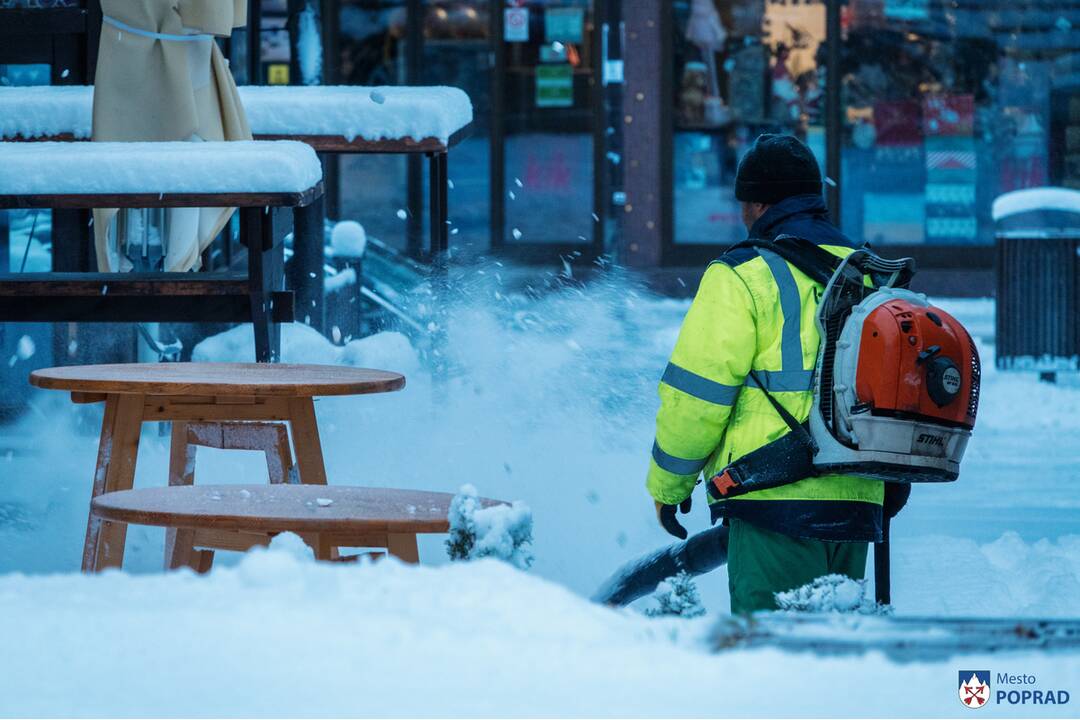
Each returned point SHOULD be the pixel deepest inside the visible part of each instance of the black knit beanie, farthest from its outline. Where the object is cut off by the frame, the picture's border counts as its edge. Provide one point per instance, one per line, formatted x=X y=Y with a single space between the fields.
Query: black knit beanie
x=776 y=167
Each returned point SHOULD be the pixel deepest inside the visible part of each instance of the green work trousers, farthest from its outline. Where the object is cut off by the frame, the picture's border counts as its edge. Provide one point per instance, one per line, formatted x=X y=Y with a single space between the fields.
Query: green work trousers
x=762 y=562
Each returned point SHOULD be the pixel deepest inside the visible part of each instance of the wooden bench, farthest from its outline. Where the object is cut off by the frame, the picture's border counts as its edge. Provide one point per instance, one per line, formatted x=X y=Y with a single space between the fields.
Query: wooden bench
x=240 y=517
x=336 y=120
x=130 y=175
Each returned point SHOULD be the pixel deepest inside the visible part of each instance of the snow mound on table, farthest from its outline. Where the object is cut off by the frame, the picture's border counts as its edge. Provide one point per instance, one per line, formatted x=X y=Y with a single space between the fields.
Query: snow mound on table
x=371 y=113
x=46 y=111
x=303 y=344
x=832 y=594
x=43 y=168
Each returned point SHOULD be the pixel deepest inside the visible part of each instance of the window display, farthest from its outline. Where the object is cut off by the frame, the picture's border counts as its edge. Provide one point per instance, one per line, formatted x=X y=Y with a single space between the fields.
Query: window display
x=943 y=108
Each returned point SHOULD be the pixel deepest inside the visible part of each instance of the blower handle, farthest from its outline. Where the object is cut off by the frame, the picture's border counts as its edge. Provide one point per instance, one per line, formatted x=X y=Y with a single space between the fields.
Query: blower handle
x=882 y=592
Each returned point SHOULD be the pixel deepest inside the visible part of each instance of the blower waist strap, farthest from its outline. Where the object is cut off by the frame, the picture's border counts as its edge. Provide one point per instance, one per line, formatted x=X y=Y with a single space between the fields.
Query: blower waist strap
x=785 y=460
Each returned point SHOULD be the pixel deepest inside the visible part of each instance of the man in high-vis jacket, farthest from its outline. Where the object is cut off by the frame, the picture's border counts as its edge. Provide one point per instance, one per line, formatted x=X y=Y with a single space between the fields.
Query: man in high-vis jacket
x=755 y=311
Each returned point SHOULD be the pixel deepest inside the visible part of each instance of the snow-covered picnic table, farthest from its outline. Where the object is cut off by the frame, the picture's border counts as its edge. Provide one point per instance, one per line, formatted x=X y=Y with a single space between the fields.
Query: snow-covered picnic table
x=251 y=176
x=37 y=174
x=373 y=119
x=331 y=119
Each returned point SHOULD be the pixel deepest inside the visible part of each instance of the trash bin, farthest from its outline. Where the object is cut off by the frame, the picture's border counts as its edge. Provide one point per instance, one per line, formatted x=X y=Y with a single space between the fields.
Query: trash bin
x=1038 y=280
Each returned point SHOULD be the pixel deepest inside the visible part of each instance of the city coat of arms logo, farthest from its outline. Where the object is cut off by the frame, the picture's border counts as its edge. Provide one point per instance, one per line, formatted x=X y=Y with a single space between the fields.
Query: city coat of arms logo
x=974 y=688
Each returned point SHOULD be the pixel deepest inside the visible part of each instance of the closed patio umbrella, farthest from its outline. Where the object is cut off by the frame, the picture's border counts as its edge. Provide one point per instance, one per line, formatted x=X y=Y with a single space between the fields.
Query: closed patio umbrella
x=161 y=77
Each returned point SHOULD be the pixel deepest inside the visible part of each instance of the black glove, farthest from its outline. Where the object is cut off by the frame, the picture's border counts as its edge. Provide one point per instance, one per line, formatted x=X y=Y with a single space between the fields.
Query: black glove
x=666 y=515
x=896 y=497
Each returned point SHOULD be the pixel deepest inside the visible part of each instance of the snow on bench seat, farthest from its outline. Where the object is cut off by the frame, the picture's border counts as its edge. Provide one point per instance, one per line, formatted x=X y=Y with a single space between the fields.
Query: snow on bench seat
x=369 y=113
x=59 y=168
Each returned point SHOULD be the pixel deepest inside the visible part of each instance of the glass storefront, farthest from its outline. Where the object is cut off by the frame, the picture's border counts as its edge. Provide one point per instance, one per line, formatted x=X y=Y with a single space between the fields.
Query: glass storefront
x=550 y=122
x=741 y=69
x=372 y=50
x=524 y=175
x=944 y=106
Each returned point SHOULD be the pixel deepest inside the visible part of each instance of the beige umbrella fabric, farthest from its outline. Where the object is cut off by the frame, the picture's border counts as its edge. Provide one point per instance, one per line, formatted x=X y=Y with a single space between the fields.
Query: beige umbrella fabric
x=161 y=77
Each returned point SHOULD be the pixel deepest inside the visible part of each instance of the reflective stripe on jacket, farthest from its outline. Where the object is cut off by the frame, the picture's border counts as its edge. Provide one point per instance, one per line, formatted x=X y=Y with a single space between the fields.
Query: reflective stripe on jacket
x=754 y=310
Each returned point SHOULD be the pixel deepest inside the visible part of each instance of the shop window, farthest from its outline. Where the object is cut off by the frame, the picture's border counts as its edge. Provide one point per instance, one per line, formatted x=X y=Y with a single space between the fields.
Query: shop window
x=457 y=52
x=550 y=124
x=372 y=44
x=741 y=69
x=948 y=106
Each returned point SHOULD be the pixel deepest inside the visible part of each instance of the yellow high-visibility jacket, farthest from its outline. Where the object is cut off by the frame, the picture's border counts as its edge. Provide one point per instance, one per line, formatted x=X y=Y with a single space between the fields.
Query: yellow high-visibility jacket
x=754 y=310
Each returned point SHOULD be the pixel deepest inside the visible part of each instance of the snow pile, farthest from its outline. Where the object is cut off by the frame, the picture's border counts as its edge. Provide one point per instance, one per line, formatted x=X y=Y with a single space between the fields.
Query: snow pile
x=500 y=531
x=678 y=595
x=281 y=635
x=301 y=343
x=378 y=113
x=1032 y=199
x=941 y=575
x=354 y=112
x=348 y=239
x=832 y=594
x=339 y=281
x=42 y=168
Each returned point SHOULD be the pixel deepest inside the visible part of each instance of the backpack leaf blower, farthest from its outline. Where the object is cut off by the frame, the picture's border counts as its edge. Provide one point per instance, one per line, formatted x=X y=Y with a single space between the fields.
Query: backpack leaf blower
x=895 y=392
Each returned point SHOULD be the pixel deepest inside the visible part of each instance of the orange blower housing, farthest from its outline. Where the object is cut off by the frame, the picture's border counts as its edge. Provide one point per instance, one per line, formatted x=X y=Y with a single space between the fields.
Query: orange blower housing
x=919 y=363
x=897 y=390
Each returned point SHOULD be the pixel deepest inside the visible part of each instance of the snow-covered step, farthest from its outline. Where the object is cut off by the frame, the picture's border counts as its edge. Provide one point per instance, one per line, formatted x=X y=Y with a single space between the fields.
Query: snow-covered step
x=225 y=168
x=899 y=638
x=351 y=112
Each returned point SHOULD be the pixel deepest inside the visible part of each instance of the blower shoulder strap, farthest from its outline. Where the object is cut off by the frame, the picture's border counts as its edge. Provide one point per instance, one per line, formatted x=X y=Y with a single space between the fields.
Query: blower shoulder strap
x=818 y=264
x=794 y=425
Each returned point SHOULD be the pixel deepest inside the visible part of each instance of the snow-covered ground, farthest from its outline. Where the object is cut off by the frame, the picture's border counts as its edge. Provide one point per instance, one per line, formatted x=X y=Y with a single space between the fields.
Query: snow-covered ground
x=553 y=405
x=281 y=636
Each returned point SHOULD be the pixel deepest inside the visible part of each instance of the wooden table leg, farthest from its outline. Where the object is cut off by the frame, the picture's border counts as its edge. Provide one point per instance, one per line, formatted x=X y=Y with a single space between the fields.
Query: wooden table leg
x=305 y=429
x=118 y=452
x=320 y=546
x=179 y=544
x=403 y=547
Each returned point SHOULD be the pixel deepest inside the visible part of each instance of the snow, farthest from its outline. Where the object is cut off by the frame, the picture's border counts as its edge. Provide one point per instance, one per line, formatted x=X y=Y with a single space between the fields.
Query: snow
x=42 y=168
x=832 y=594
x=301 y=343
x=1043 y=198
x=371 y=113
x=677 y=595
x=279 y=635
x=348 y=239
x=499 y=531
x=46 y=111
x=310 y=49
x=340 y=280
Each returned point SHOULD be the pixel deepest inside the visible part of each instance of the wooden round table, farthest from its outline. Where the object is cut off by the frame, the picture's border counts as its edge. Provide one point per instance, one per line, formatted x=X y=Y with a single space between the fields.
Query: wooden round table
x=223 y=405
x=325 y=517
